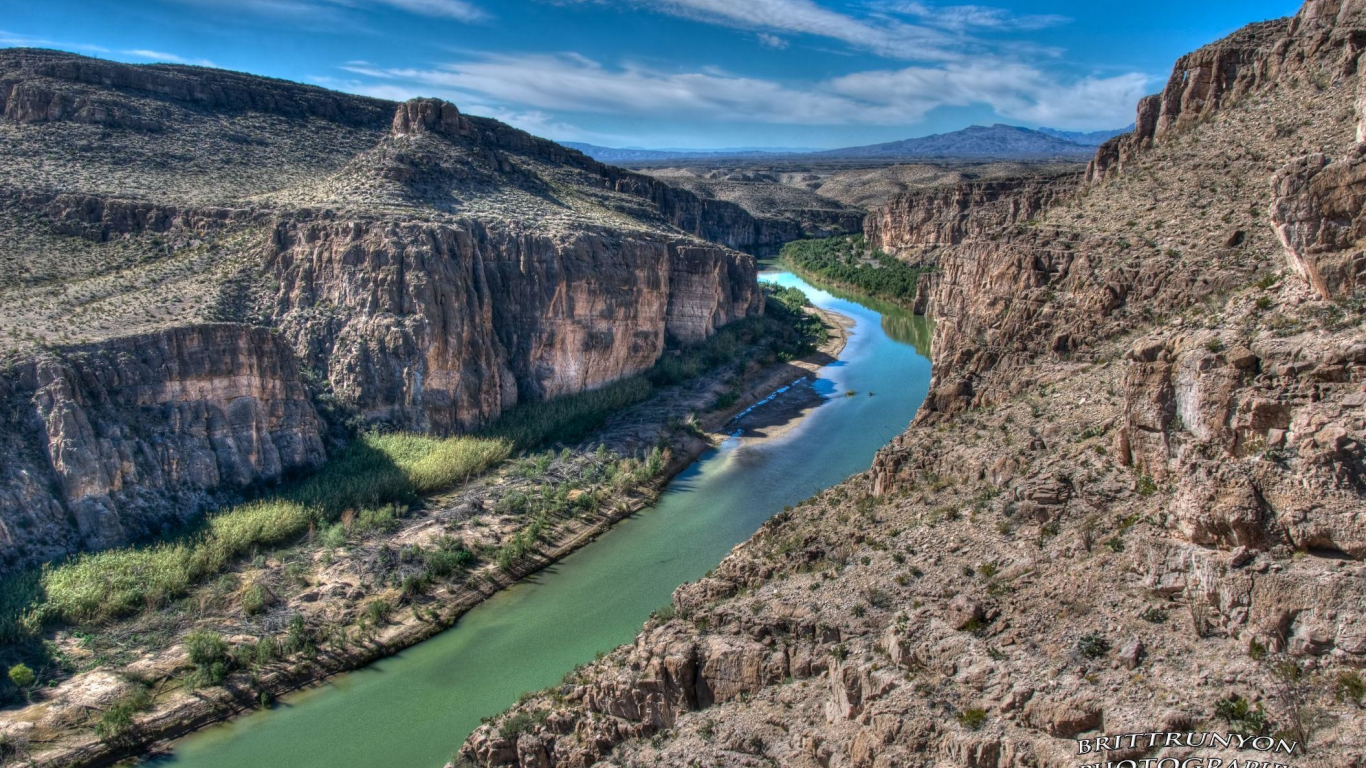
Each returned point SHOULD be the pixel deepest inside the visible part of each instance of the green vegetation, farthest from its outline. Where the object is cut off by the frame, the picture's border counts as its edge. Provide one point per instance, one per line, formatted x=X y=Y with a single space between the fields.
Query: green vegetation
x=852 y=262
x=549 y=503
x=375 y=471
x=1242 y=717
x=208 y=652
x=1349 y=687
x=1093 y=645
x=21 y=676
x=116 y=721
x=972 y=719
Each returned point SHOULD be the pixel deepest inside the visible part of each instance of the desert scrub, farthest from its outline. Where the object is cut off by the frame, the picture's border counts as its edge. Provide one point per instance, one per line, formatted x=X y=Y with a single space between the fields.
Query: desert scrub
x=372 y=473
x=972 y=719
x=1093 y=645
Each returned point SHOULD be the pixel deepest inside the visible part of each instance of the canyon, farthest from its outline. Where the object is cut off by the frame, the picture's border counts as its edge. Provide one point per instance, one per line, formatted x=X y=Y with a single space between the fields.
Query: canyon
x=221 y=258
x=1132 y=501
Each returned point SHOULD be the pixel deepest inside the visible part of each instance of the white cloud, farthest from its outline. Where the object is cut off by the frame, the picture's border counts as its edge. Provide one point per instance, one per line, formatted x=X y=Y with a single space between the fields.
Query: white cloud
x=1013 y=90
x=448 y=9
x=772 y=41
x=965 y=17
x=897 y=29
x=882 y=35
x=143 y=53
x=10 y=39
x=574 y=83
x=312 y=10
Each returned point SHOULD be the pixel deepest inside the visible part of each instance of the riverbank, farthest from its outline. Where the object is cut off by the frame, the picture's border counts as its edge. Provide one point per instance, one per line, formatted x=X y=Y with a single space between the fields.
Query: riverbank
x=62 y=719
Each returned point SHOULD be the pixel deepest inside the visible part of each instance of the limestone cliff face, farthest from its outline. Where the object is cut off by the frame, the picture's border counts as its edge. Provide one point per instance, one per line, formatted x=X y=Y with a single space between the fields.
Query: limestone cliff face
x=127 y=439
x=1200 y=83
x=441 y=327
x=951 y=214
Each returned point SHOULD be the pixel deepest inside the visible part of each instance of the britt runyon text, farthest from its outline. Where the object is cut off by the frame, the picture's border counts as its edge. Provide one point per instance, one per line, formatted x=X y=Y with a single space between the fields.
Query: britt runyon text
x=1157 y=740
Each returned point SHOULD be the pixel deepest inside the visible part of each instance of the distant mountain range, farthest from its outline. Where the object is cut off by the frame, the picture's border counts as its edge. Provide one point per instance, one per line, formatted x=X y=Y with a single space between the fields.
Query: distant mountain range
x=635 y=154
x=996 y=142
x=1090 y=139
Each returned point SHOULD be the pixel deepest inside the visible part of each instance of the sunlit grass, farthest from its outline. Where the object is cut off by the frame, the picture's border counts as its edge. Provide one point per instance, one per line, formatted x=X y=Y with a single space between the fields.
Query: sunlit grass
x=376 y=470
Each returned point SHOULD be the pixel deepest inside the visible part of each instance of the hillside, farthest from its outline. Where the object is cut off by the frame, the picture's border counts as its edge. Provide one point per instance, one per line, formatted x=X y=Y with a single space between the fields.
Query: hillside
x=1131 y=503
x=210 y=271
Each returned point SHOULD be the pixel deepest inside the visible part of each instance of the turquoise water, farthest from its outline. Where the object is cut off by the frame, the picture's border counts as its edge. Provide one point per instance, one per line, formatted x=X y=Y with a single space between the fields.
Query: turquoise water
x=416 y=708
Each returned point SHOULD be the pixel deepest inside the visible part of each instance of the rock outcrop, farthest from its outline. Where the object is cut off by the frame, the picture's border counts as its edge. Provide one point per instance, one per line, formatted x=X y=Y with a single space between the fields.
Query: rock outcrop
x=953 y=213
x=443 y=326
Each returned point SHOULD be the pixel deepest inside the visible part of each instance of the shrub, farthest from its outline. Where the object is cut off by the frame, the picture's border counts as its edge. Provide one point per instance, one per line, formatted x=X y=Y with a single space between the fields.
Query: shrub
x=972 y=719
x=22 y=676
x=449 y=557
x=254 y=599
x=515 y=726
x=1154 y=615
x=1093 y=645
x=117 y=721
x=1349 y=686
x=208 y=652
x=1146 y=486
x=1242 y=717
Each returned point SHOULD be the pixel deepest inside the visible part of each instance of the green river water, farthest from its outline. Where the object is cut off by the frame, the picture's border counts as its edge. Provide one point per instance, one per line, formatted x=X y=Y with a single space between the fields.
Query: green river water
x=413 y=710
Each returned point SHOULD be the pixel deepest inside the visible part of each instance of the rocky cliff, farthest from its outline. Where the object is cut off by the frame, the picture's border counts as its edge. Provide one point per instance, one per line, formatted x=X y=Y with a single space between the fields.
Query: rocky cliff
x=1131 y=504
x=129 y=438
x=953 y=213
x=170 y=325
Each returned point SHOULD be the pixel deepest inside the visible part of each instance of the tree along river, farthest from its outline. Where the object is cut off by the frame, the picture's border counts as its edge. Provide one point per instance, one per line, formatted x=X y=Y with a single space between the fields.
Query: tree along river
x=415 y=708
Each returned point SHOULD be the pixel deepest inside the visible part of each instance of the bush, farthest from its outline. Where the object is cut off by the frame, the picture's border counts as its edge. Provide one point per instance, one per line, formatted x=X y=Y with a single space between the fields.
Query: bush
x=972 y=719
x=1347 y=687
x=208 y=652
x=1242 y=717
x=254 y=599
x=22 y=676
x=448 y=558
x=117 y=721
x=1154 y=615
x=515 y=726
x=1093 y=645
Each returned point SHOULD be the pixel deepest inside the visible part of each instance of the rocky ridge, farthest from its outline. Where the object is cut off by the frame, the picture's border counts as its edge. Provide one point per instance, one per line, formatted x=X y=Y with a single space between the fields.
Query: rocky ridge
x=1132 y=502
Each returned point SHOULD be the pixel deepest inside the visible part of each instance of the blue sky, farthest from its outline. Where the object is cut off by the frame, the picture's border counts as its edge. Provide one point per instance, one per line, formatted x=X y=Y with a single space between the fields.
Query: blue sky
x=681 y=73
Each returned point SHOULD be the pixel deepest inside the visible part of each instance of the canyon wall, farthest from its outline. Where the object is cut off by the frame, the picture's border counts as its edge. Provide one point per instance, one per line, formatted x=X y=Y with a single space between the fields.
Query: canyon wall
x=950 y=214
x=442 y=327
x=128 y=439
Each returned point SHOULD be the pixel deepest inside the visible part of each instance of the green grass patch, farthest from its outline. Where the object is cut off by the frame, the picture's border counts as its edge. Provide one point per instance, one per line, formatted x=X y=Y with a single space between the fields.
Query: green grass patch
x=370 y=476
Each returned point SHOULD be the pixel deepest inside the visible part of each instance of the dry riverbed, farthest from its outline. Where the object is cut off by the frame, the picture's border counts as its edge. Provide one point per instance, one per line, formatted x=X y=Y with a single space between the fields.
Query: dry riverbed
x=321 y=608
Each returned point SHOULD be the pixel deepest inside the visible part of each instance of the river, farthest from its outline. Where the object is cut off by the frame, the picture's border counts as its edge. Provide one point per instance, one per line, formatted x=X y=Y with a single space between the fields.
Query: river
x=415 y=709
